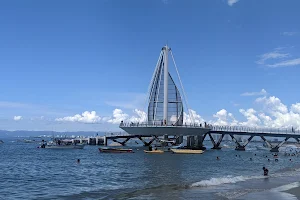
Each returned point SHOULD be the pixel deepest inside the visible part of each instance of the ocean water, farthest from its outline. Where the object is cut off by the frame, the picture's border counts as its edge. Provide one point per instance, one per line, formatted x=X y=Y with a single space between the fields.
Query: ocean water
x=28 y=172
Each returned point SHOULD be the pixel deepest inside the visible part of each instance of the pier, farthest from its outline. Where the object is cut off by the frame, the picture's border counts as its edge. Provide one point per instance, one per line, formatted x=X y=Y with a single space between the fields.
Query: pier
x=196 y=134
x=165 y=117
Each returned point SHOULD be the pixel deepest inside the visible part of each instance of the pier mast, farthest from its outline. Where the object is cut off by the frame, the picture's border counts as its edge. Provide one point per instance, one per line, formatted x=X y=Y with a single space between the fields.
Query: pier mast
x=166 y=76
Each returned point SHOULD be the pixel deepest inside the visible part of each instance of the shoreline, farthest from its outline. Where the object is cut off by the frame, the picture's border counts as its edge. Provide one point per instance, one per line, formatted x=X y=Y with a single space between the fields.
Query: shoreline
x=294 y=191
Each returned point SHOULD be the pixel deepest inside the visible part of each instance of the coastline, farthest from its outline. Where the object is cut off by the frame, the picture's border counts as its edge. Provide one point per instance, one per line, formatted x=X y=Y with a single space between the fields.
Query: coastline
x=294 y=191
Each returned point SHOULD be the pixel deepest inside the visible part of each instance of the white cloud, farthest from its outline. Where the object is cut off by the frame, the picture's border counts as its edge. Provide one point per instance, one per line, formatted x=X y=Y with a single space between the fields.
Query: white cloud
x=290 y=33
x=272 y=104
x=85 y=117
x=140 y=118
x=275 y=114
x=234 y=122
x=252 y=119
x=271 y=55
x=295 y=108
x=286 y=63
x=266 y=120
x=187 y=119
x=276 y=55
x=224 y=118
x=261 y=93
x=231 y=2
x=17 y=118
x=118 y=116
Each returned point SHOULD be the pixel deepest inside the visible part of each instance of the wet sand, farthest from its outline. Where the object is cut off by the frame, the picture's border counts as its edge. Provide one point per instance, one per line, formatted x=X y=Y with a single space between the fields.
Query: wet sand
x=294 y=191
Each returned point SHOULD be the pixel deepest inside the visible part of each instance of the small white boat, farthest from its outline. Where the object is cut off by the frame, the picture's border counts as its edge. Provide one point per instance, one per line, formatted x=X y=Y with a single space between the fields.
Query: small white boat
x=77 y=146
x=187 y=151
x=64 y=144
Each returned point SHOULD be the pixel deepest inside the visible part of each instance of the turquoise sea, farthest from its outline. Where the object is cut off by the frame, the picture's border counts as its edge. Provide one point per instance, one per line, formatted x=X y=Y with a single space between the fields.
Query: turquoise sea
x=28 y=172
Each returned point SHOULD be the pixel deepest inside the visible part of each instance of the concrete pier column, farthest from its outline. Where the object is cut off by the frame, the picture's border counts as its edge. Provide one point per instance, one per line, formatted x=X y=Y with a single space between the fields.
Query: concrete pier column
x=105 y=141
x=179 y=139
x=190 y=141
x=240 y=148
x=275 y=149
x=166 y=137
x=199 y=142
x=96 y=140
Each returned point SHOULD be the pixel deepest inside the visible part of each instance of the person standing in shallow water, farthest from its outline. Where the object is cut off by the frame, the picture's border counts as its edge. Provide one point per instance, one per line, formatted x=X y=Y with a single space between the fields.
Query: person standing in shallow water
x=266 y=171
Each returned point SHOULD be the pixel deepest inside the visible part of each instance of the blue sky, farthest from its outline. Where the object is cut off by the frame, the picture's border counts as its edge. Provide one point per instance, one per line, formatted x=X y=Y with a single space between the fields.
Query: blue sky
x=62 y=58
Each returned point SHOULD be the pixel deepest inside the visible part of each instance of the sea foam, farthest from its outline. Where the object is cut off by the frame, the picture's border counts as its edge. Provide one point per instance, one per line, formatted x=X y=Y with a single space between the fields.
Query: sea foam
x=223 y=180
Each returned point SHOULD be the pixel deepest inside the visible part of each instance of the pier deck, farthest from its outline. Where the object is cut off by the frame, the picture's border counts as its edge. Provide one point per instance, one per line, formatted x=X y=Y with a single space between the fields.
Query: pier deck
x=198 y=130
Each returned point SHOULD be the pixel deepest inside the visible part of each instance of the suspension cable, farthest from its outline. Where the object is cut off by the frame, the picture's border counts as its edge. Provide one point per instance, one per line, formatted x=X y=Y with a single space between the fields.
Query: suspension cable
x=185 y=98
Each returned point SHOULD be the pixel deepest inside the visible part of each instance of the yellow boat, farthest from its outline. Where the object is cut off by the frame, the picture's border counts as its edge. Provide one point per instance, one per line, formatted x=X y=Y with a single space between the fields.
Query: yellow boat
x=187 y=151
x=154 y=151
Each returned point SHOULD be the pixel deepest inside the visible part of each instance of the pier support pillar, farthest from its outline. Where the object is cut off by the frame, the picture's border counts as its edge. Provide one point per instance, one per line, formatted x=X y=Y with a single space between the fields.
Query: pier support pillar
x=105 y=140
x=266 y=141
x=274 y=149
x=179 y=140
x=199 y=143
x=190 y=141
x=240 y=148
x=166 y=137
x=146 y=144
x=216 y=145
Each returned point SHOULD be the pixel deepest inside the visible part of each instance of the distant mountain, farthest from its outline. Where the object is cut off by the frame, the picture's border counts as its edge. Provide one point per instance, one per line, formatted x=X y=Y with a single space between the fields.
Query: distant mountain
x=24 y=133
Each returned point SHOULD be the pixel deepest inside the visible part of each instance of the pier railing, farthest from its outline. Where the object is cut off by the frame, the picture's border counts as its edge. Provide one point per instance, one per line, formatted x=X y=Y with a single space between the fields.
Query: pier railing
x=219 y=128
x=255 y=129
x=131 y=124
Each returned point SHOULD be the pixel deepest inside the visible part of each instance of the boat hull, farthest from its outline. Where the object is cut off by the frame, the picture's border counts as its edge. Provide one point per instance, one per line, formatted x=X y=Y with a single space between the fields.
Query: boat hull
x=154 y=151
x=111 y=150
x=186 y=151
x=64 y=146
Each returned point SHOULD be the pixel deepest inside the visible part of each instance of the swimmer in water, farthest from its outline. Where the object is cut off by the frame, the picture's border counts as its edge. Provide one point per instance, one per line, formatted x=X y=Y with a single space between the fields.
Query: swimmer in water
x=78 y=161
x=266 y=171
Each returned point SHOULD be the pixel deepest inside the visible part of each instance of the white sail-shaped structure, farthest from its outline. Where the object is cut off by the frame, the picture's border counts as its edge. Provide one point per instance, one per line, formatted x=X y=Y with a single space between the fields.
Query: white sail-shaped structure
x=165 y=103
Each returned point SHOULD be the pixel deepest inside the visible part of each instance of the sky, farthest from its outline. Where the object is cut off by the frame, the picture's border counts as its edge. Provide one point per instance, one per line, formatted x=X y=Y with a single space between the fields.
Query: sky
x=86 y=65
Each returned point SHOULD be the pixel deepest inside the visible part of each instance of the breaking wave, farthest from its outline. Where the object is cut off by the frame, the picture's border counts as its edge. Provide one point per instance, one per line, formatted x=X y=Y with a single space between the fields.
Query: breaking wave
x=223 y=180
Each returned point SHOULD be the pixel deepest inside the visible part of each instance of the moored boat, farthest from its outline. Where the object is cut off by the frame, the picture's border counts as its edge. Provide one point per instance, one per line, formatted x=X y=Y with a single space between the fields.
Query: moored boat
x=154 y=151
x=71 y=146
x=187 y=151
x=115 y=150
x=61 y=144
